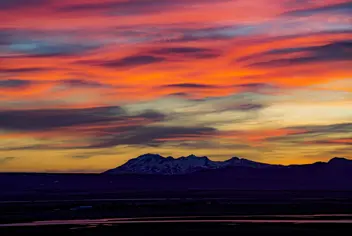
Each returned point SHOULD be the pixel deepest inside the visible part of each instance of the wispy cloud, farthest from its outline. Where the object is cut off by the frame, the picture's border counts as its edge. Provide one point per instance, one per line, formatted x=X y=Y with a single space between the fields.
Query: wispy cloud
x=128 y=62
x=4 y=160
x=13 y=4
x=23 y=70
x=339 y=8
x=129 y=76
x=190 y=86
x=133 y=7
x=187 y=52
x=14 y=83
x=333 y=52
x=49 y=119
x=80 y=83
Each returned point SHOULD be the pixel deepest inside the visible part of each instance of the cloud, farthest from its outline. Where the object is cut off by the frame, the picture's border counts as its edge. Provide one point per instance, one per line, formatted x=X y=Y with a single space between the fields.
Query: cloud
x=207 y=144
x=82 y=83
x=339 y=141
x=333 y=128
x=155 y=135
x=39 y=120
x=193 y=52
x=181 y=50
x=223 y=32
x=313 y=133
x=4 y=160
x=97 y=127
x=23 y=70
x=246 y=107
x=178 y=33
x=88 y=46
x=132 y=7
x=5 y=37
x=126 y=62
x=333 y=52
x=14 y=83
x=251 y=33
x=180 y=94
x=339 y=151
x=101 y=136
x=19 y=43
x=257 y=87
x=339 y=8
x=124 y=7
x=13 y=4
x=160 y=55
x=190 y=86
x=52 y=48
x=83 y=156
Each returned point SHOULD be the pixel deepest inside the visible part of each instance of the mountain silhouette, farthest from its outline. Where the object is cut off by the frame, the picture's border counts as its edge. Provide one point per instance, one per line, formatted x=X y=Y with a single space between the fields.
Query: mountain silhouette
x=236 y=173
x=157 y=164
x=156 y=174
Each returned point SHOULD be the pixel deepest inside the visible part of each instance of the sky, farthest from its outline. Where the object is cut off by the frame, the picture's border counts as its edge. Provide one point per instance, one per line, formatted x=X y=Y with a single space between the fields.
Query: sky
x=86 y=85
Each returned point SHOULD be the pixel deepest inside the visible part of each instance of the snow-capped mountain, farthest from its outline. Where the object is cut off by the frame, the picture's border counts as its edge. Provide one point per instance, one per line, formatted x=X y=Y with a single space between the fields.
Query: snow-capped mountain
x=235 y=161
x=156 y=164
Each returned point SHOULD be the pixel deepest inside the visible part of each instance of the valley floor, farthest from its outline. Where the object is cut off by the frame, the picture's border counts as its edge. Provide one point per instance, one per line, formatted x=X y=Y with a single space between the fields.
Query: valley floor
x=161 y=204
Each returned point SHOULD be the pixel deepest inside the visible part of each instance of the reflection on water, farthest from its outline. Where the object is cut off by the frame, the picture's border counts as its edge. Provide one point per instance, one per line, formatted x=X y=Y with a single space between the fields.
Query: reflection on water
x=294 y=219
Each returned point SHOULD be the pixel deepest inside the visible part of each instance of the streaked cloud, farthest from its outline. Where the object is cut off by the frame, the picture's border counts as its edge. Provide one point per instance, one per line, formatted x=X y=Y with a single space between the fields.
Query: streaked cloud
x=48 y=119
x=339 y=141
x=134 y=6
x=90 y=84
x=22 y=70
x=126 y=62
x=334 y=52
x=188 y=52
x=333 y=128
x=191 y=86
x=14 y=83
x=82 y=83
x=13 y=4
x=4 y=160
x=339 y=8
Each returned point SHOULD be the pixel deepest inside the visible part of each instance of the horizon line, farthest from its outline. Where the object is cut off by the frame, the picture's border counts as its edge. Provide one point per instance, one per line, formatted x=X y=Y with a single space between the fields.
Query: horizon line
x=102 y=171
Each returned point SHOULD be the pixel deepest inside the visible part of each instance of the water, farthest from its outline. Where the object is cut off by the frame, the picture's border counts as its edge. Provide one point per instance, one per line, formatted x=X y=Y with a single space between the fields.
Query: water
x=292 y=219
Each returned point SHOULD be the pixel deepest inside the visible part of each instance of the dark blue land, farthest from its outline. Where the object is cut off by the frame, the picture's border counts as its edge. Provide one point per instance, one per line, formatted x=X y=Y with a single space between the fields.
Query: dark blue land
x=319 y=188
x=335 y=175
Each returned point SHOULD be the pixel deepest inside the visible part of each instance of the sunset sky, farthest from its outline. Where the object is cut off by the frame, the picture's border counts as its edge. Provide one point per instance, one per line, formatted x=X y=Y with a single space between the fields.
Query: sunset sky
x=86 y=85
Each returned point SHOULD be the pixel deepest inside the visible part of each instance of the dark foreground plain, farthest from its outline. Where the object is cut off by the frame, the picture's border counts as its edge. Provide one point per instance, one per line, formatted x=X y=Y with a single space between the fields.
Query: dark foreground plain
x=190 y=212
x=175 y=203
x=103 y=205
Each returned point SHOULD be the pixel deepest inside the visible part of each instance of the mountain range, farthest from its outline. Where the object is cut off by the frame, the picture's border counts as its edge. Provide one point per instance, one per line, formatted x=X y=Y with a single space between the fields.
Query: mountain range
x=152 y=171
x=155 y=174
x=155 y=164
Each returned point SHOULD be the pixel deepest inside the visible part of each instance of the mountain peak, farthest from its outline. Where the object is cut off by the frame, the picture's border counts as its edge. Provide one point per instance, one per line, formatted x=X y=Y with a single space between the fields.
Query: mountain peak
x=237 y=161
x=339 y=160
x=234 y=159
x=149 y=156
x=194 y=157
